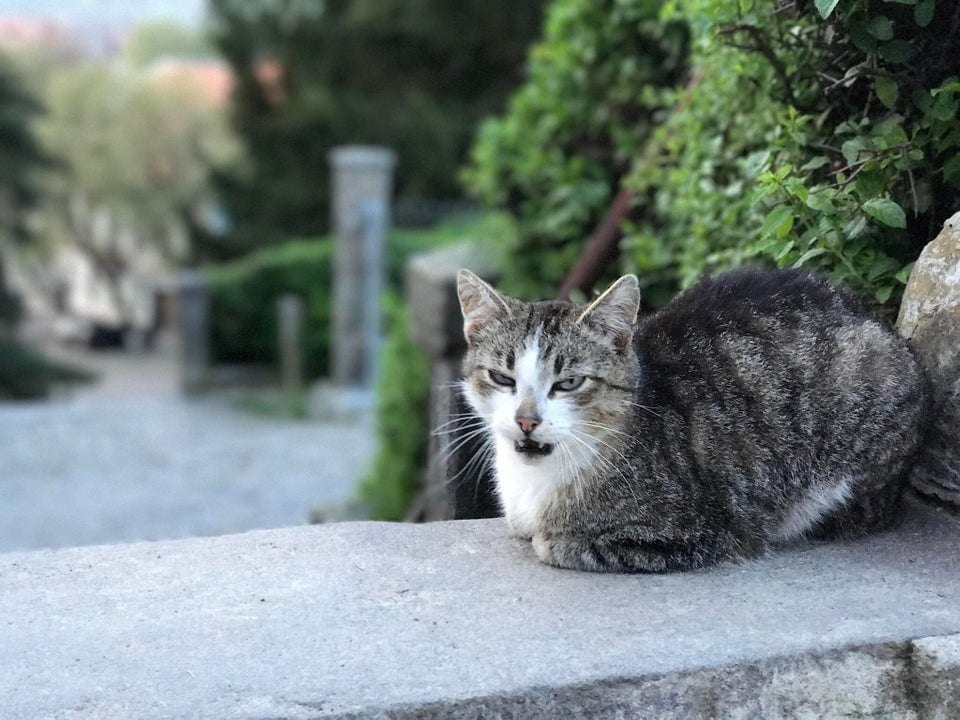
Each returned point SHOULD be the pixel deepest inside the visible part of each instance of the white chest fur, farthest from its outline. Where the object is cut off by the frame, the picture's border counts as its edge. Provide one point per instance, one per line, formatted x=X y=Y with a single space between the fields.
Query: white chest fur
x=524 y=486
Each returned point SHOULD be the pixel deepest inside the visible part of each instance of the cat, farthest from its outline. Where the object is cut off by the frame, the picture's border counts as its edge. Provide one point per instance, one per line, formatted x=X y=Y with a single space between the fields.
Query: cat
x=758 y=407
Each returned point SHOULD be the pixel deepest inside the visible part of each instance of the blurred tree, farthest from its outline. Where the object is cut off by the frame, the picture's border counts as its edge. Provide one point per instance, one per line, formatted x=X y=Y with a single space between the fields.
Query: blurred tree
x=416 y=75
x=134 y=155
x=151 y=41
x=20 y=160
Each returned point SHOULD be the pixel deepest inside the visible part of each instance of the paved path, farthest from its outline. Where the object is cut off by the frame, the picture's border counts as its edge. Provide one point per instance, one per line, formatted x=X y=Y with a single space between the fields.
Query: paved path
x=130 y=460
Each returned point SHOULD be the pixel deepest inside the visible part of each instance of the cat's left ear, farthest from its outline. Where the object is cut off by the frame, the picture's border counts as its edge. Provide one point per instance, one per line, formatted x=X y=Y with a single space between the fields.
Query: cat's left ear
x=479 y=302
x=616 y=310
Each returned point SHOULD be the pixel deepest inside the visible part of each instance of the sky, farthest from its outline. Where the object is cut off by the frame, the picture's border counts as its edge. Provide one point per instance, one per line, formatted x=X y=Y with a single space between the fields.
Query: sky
x=110 y=13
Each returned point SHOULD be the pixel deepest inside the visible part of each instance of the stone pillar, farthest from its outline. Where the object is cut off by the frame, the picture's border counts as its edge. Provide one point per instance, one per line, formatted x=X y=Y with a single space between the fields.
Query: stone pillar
x=362 y=182
x=290 y=317
x=193 y=329
x=458 y=483
x=930 y=318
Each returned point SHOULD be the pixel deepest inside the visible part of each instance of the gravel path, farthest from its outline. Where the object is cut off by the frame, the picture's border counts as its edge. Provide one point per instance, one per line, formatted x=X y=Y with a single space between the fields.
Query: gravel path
x=107 y=467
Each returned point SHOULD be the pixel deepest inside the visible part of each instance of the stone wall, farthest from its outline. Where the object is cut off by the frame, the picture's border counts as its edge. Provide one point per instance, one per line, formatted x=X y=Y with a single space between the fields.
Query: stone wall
x=458 y=620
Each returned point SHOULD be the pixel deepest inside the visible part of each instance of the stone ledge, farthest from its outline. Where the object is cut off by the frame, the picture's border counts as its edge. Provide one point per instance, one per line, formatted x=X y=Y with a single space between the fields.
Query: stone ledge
x=458 y=620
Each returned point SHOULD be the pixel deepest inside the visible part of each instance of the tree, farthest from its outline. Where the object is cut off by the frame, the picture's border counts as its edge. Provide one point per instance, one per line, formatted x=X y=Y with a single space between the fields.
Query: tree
x=416 y=75
x=20 y=161
x=151 y=41
x=134 y=158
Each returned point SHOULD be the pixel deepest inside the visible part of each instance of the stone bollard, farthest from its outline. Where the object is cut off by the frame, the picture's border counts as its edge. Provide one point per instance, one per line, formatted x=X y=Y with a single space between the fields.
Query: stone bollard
x=362 y=179
x=458 y=484
x=193 y=328
x=930 y=318
x=291 y=312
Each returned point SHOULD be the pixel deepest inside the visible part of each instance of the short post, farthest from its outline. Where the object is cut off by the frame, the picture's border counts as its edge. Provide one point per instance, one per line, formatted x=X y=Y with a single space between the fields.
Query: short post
x=362 y=180
x=291 y=311
x=193 y=328
x=458 y=484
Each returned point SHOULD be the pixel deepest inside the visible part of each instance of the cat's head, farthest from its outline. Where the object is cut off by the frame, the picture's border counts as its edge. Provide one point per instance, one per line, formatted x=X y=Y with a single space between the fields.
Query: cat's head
x=550 y=375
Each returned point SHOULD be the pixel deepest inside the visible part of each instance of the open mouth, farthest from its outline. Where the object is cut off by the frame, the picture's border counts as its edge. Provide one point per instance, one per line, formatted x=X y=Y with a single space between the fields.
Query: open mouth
x=532 y=448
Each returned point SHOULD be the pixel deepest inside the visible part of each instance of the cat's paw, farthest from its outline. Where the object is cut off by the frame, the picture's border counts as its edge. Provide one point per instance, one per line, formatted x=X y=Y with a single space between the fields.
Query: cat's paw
x=543 y=549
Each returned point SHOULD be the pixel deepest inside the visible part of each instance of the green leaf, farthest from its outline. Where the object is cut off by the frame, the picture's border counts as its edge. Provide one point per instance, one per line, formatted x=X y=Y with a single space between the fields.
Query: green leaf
x=825 y=7
x=951 y=170
x=881 y=27
x=778 y=221
x=944 y=106
x=883 y=294
x=820 y=201
x=809 y=255
x=923 y=12
x=887 y=90
x=886 y=211
x=896 y=51
x=784 y=251
x=852 y=148
x=904 y=273
x=817 y=162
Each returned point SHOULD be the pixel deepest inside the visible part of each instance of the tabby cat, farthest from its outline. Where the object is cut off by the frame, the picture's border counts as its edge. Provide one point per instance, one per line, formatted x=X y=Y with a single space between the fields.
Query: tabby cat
x=758 y=407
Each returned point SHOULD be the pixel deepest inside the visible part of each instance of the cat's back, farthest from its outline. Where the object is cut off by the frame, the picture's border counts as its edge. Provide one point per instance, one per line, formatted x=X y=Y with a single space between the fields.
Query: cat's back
x=782 y=359
x=755 y=301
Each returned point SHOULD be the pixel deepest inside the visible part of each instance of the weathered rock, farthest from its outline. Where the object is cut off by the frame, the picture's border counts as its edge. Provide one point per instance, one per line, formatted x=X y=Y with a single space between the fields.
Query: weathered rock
x=930 y=318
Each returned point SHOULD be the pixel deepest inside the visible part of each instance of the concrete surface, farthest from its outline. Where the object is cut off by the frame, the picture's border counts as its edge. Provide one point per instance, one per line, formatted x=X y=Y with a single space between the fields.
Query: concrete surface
x=458 y=620
x=129 y=459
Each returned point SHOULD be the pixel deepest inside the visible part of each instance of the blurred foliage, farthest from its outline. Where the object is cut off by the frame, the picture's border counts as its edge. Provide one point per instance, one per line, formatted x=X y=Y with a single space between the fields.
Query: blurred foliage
x=27 y=375
x=403 y=396
x=818 y=134
x=556 y=159
x=243 y=303
x=24 y=373
x=21 y=158
x=414 y=75
x=244 y=293
x=134 y=156
x=830 y=144
x=158 y=39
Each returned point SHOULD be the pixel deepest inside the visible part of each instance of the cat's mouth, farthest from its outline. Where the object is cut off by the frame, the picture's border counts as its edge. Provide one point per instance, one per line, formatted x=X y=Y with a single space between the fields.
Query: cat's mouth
x=532 y=448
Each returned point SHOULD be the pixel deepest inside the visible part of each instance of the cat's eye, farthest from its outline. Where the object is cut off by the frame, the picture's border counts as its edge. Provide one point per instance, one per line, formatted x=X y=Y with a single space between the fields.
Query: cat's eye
x=501 y=379
x=570 y=383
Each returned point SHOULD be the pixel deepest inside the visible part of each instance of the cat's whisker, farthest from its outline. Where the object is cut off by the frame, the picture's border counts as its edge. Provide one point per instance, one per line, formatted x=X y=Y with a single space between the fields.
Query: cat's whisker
x=457 y=444
x=455 y=425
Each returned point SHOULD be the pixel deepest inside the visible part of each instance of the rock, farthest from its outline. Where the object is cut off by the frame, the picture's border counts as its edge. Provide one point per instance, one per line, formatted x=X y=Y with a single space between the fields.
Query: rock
x=930 y=319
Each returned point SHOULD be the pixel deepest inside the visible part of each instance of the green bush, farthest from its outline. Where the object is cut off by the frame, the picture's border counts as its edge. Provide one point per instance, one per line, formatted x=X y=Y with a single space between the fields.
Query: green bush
x=26 y=375
x=403 y=394
x=243 y=303
x=555 y=160
x=820 y=134
x=806 y=142
x=244 y=293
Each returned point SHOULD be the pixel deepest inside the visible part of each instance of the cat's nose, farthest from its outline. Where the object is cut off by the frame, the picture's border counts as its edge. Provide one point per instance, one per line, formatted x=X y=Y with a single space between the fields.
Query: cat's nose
x=528 y=423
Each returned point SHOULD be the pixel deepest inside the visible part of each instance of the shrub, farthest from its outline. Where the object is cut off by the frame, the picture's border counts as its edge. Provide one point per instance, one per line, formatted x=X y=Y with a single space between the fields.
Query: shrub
x=556 y=158
x=243 y=299
x=820 y=134
x=806 y=142
x=26 y=375
x=244 y=293
x=403 y=394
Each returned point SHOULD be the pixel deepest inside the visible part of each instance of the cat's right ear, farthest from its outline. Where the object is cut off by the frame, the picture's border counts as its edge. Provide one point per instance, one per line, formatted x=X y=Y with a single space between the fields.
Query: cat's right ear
x=479 y=302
